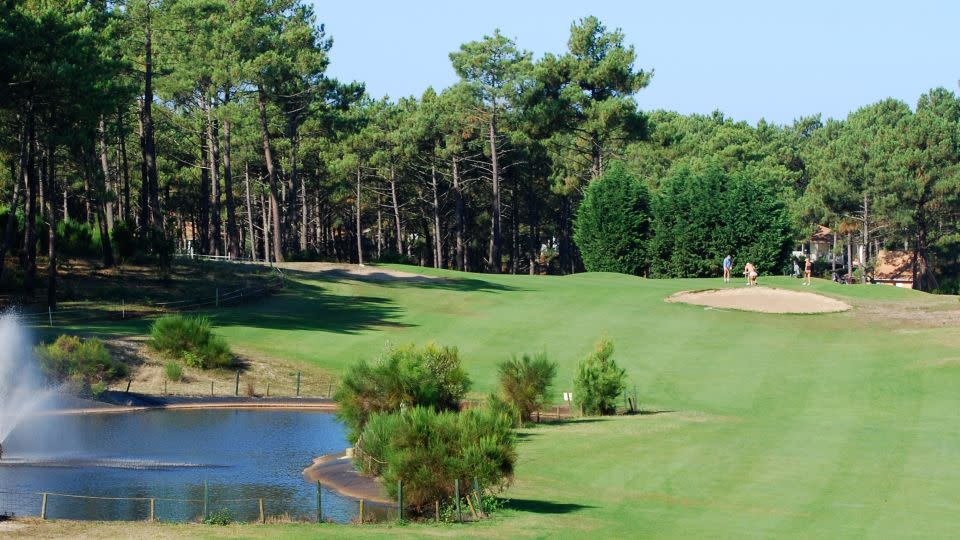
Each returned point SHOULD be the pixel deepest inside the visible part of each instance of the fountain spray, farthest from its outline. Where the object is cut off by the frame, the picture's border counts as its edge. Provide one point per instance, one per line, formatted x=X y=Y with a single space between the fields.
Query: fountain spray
x=22 y=389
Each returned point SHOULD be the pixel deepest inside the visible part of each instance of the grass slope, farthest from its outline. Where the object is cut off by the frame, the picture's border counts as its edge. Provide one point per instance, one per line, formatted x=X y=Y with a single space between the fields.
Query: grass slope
x=839 y=425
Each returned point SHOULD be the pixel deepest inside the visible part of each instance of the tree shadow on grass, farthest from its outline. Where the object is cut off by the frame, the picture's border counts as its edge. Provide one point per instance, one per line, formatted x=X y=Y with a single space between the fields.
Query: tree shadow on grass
x=386 y=279
x=544 y=507
x=309 y=306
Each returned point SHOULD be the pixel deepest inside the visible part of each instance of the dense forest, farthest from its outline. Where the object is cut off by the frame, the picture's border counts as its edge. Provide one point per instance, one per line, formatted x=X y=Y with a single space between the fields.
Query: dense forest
x=142 y=129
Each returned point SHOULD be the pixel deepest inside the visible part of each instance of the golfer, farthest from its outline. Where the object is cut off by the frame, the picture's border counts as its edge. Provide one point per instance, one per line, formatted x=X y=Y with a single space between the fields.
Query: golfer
x=750 y=271
x=807 y=271
x=727 y=265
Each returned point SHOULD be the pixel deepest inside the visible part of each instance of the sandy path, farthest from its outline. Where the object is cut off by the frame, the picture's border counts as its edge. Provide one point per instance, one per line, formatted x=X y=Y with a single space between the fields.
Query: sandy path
x=762 y=299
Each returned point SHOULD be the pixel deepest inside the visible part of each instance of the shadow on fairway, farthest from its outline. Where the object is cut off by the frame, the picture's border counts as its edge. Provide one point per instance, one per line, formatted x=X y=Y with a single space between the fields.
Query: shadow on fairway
x=308 y=306
x=544 y=507
x=385 y=279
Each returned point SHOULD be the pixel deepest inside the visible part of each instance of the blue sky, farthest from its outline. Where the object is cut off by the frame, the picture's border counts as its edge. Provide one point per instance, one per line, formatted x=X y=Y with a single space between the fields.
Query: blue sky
x=776 y=60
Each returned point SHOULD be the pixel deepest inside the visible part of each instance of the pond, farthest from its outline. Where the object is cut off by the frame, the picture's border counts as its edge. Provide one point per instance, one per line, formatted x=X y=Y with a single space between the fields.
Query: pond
x=241 y=455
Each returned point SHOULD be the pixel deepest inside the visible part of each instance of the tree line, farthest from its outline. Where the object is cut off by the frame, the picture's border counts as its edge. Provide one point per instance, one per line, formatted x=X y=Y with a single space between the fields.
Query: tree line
x=213 y=127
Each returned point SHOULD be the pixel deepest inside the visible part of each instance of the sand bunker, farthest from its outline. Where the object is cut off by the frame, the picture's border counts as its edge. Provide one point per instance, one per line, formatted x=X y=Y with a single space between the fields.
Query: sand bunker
x=763 y=299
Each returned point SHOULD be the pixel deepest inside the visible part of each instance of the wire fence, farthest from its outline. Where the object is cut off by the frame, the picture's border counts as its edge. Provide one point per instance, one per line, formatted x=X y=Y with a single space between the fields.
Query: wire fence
x=204 y=504
x=216 y=298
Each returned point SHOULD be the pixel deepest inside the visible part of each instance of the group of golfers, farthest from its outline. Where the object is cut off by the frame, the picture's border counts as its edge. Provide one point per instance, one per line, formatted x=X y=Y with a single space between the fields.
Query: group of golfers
x=750 y=271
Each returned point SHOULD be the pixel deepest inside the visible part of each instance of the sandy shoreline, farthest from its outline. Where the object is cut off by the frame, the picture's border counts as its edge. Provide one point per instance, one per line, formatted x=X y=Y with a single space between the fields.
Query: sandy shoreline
x=145 y=402
x=336 y=472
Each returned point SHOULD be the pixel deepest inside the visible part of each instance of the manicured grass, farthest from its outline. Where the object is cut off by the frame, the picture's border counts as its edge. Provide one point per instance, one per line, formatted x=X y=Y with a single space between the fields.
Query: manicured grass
x=838 y=425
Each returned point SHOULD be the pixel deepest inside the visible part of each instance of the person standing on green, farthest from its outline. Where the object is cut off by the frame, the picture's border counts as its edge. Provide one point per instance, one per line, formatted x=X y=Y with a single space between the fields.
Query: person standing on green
x=727 y=265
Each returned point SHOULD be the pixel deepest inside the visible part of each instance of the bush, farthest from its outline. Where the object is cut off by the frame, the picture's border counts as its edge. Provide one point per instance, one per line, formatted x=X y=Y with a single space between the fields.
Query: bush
x=613 y=224
x=403 y=377
x=85 y=362
x=76 y=238
x=699 y=218
x=429 y=449
x=220 y=517
x=173 y=371
x=190 y=338
x=525 y=382
x=124 y=238
x=599 y=382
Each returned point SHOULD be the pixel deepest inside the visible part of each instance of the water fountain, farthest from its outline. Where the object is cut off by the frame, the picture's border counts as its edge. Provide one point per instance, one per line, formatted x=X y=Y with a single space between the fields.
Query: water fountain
x=22 y=389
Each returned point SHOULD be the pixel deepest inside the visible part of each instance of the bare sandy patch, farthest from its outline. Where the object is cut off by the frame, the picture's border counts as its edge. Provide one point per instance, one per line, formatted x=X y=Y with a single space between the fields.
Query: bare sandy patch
x=762 y=299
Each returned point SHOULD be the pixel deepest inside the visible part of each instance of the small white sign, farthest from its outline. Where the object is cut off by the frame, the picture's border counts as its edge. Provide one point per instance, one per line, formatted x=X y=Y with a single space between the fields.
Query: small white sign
x=568 y=396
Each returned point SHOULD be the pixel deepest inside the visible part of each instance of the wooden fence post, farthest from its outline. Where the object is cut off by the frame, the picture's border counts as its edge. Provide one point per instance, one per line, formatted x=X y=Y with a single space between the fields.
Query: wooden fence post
x=263 y=517
x=399 y=500
x=152 y=511
x=319 y=507
x=476 y=493
x=298 y=384
x=206 y=499
x=237 y=391
x=43 y=507
x=456 y=497
x=436 y=509
x=361 y=511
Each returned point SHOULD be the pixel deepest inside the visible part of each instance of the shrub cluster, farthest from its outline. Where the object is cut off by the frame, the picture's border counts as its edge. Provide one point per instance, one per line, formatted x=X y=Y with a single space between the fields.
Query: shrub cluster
x=524 y=384
x=405 y=376
x=694 y=220
x=429 y=449
x=191 y=339
x=599 y=381
x=85 y=362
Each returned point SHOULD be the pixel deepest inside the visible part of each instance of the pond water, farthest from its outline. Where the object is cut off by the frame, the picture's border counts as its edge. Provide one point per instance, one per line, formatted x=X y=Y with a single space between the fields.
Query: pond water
x=242 y=456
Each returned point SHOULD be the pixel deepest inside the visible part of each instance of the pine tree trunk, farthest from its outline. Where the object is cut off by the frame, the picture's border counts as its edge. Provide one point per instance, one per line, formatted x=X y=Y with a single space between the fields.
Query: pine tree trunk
x=233 y=231
x=105 y=248
x=105 y=165
x=30 y=208
x=866 y=239
x=149 y=144
x=396 y=209
x=144 y=216
x=304 y=217
x=125 y=168
x=213 y=144
x=203 y=228
x=271 y=174
x=246 y=184
x=359 y=229
x=494 y=258
x=266 y=228
x=51 y=230
x=458 y=205
x=437 y=242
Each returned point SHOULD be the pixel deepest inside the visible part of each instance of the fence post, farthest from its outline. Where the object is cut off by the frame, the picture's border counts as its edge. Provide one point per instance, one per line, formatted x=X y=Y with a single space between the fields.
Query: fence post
x=236 y=392
x=263 y=517
x=49 y=316
x=152 y=511
x=476 y=493
x=43 y=507
x=361 y=511
x=436 y=509
x=329 y=390
x=268 y=389
x=319 y=507
x=164 y=387
x=123 y=308
x=218 y=298
x=206 y=499
x=298 y=384
x=211 y=388
x=128 y=385
x=399 y=500
x=456 y=496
